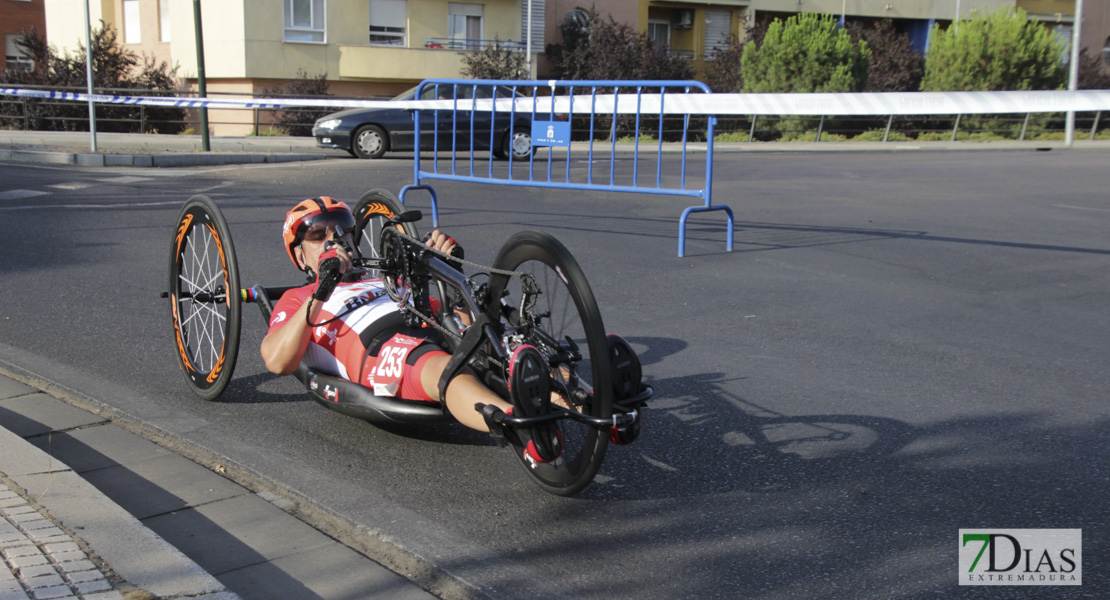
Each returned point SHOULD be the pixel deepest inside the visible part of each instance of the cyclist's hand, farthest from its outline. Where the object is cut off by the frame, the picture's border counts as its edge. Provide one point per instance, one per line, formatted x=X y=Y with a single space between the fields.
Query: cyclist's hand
x=333 y=262
x=443 y=243
x=341 y=252
x=438 y=240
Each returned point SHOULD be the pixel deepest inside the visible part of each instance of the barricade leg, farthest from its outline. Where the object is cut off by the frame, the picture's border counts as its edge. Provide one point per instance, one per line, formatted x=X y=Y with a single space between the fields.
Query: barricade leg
x=699 y=209
x=431 y=193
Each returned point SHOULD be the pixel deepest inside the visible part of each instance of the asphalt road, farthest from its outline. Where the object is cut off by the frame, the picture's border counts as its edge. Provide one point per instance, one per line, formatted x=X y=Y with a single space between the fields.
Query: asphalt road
x=900 y=346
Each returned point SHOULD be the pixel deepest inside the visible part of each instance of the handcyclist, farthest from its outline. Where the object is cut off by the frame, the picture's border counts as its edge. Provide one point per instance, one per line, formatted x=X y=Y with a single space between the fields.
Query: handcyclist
x=355 y=331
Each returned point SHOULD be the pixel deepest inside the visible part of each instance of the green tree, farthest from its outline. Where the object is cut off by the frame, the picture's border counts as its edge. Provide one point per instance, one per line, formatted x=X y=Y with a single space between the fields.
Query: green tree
x=499 y=61
x=894 y=66
x=1092 y=74
x=606 y=49
x=603 y=49
x=298 y=120
x=723 y=71
x=806 y=53
x=113 y=67
x=1000 y=50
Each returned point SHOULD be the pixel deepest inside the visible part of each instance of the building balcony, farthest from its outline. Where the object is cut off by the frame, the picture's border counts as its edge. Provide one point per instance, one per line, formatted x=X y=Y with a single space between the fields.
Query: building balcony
x=392 y=63
x=460 y=45
x=403 y=63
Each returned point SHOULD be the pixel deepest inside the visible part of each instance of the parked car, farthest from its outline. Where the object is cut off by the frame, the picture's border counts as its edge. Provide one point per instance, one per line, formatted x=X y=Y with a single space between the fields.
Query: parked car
x=371 y=132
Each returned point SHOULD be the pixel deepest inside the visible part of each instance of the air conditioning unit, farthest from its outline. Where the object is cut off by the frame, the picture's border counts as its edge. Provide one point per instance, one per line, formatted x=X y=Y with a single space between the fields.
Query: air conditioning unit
x=684 y=18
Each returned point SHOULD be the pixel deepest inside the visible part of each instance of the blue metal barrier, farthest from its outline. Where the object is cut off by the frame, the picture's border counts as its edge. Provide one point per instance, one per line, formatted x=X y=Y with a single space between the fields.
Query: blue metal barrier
x=511 y=118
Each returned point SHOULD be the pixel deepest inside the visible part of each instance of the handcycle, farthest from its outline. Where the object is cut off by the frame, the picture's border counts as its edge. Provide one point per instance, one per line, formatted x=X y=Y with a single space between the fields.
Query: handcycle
x=534 y=293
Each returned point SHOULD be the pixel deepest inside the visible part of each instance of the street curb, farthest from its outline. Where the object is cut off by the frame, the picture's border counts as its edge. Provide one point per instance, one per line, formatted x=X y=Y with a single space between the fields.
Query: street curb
x=176 y=159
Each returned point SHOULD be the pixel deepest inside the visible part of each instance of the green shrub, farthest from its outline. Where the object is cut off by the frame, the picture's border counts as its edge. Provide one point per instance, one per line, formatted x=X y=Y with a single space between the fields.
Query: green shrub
x=811 y=136
x=1000 y=50
x=731 y=136
x=1049 y=136
x=644 y=139
x=876 y=135
x=806 y=53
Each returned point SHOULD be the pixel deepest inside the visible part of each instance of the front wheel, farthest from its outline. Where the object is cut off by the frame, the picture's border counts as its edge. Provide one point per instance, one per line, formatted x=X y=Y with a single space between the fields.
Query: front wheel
x=519 y=144
x=204 y=297
x=566 y=308
x=369 y=141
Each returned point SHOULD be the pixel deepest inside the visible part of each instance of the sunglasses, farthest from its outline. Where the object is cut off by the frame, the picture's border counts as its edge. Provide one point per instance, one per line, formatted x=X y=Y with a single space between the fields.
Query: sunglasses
x=319 y=233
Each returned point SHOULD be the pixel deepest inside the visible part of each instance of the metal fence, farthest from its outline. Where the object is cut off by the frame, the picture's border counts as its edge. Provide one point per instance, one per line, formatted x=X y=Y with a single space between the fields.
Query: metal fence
x=495 y=115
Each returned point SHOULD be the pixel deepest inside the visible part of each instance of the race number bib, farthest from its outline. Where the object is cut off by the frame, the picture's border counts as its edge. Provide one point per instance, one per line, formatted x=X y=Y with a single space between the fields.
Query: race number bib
x=391 y=364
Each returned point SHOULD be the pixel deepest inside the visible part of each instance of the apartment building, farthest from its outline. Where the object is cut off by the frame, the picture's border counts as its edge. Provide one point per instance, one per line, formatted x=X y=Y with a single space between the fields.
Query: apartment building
x=15 y=17
x=367 y=48
x=378 y=48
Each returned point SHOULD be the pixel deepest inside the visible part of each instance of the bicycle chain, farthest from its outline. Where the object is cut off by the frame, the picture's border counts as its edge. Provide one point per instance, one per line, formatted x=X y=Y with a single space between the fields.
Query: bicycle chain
x=431 y=322
x=415 y=242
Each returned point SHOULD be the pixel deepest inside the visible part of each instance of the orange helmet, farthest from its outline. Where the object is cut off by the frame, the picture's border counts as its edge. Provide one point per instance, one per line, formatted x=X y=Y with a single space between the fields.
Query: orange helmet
x=324 y=210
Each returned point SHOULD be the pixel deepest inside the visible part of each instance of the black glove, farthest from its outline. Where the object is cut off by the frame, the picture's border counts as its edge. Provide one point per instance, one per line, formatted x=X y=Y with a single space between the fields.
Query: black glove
x=328 y=274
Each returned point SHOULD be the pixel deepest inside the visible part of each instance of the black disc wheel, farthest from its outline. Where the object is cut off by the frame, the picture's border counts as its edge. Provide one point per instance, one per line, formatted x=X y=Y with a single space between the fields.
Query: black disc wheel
x=371 y=213
x=204 y=297
x=565 y=309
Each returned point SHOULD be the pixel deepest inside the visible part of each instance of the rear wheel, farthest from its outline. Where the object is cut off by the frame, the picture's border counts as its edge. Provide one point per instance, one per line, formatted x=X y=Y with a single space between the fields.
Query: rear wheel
x=204 y=297
x=371 y=213
x=369 y=141
x=565 y=308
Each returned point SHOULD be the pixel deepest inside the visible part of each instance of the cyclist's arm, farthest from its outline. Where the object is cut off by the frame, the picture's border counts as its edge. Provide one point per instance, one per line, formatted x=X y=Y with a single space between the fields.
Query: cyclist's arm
x=286 y=342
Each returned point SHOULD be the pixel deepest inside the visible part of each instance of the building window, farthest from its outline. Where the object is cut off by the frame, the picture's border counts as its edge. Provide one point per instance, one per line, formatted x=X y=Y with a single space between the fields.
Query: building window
x=132 y=27
x=718 y=26
x=304 y=21
x=538 y=12
x=659 y=32
x=464 y=25
x=388 y=19
x=164 y=20
x=14 y=54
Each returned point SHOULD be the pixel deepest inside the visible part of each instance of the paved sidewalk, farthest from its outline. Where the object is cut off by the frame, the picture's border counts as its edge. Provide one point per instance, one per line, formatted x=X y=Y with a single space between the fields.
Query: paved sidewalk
x=45 y=504
x=154 y=150
x=92 y=511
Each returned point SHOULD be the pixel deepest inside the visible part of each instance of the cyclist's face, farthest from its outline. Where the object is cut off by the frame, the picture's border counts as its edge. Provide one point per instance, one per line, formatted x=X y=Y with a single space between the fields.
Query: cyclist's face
x=314 y=241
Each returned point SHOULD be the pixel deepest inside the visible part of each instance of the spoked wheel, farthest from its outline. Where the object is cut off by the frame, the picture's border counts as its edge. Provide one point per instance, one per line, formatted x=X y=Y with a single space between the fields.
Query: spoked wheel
x=204 y=297
x=566 y=307
x=372 y=211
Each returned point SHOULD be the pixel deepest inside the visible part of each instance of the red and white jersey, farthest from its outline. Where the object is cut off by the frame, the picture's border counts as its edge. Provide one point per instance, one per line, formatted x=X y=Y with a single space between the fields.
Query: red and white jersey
x=337 y=346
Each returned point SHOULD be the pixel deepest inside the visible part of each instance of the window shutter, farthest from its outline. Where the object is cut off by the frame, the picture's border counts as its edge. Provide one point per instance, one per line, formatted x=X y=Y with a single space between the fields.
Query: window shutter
x=718 y=26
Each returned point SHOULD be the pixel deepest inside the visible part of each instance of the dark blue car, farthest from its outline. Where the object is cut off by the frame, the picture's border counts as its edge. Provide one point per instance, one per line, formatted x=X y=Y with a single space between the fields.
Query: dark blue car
x=371 y=132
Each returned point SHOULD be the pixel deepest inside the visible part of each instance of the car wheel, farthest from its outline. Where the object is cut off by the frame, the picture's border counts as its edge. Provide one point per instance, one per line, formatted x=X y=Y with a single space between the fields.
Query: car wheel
x=520 y=145
x=369 y=141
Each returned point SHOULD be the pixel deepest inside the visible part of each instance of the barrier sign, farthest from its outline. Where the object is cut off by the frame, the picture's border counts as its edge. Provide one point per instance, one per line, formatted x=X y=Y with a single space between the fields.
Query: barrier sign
x=550 y=133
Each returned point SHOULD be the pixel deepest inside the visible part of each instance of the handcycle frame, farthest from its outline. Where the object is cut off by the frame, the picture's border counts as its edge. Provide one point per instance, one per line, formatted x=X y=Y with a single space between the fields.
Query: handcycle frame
x=207 y=352
x=368 y=405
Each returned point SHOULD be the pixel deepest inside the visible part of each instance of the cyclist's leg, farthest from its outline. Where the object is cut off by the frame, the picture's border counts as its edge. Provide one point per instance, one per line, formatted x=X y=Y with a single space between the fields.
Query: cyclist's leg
x=464 y=394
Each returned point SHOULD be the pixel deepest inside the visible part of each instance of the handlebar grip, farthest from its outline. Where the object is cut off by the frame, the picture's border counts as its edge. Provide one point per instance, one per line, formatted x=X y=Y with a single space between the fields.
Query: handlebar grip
x=328 y=275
